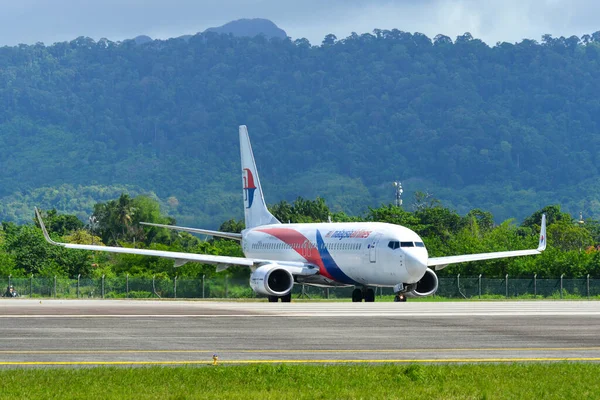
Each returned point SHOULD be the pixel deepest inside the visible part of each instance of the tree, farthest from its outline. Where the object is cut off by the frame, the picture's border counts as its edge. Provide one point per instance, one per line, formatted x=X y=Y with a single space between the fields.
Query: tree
x=586 y=39
x=232 y=225
x=567 y=236
x=394 y=215
x=61 y=224
x=302 y=210
x=329 y=39
x=464 y=38
x=424 y=200
x=442 y=40
x=553 y=215
x=483 y=219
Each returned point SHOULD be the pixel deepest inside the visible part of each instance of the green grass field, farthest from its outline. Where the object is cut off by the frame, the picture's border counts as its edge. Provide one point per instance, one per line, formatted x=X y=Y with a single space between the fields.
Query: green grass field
x=388 y=381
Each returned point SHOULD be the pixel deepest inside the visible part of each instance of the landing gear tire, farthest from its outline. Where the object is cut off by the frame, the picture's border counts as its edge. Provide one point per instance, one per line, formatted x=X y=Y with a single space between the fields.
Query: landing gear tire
x=273 y=299
x=400 y=298
x=287 y=298
x=357 y=296
x=369 y=296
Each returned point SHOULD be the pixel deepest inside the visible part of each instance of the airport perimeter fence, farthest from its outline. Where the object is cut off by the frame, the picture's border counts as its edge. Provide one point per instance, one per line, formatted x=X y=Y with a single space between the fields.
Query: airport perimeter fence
x=227 y=288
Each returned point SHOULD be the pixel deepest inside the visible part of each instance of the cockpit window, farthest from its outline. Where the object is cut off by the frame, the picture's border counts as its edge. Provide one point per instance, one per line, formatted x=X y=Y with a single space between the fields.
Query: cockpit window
x=407 y=244
x=393 y=245
x=420 y=244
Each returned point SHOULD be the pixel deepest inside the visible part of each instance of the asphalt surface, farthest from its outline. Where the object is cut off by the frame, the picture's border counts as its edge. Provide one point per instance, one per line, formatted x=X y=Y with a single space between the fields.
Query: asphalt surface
x=122 y=332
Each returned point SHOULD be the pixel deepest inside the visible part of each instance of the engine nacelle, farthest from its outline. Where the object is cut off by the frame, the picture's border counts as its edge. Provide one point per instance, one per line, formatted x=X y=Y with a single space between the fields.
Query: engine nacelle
x=427 y=286
x=272 y=280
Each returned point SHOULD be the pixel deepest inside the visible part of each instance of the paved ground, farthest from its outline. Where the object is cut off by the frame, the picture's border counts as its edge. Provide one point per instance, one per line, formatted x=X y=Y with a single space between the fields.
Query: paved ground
x=81 y=332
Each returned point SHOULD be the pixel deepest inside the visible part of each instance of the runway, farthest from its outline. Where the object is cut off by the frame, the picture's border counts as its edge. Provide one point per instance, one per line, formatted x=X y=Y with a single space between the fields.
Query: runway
x=128 y=332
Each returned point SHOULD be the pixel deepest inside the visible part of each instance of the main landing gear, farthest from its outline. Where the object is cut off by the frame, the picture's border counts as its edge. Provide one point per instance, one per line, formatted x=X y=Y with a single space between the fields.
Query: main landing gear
x=366 y=294
x=284 y=299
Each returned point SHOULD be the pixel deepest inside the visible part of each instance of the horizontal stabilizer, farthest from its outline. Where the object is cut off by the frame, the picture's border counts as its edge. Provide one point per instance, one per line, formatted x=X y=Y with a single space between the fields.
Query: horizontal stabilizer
x=228 y=235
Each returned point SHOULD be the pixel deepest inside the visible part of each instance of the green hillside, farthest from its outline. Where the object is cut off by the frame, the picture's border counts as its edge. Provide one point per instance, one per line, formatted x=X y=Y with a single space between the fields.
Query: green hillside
x=509 y=128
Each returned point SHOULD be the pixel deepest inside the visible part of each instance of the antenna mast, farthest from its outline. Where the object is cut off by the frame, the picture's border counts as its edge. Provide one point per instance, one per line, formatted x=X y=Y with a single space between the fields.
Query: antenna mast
x=399 y=191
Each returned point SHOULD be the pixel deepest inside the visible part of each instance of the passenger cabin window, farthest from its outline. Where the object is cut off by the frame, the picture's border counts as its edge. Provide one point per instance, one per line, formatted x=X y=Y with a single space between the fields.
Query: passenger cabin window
x=407 y=244
x=393 y=245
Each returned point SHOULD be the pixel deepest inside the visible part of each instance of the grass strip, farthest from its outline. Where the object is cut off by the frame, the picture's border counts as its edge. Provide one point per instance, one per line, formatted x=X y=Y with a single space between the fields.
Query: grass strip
x=388 y=381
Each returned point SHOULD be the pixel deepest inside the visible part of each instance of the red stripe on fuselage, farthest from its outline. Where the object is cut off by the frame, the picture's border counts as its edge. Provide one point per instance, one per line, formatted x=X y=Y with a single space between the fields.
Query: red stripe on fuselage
x=296 y=241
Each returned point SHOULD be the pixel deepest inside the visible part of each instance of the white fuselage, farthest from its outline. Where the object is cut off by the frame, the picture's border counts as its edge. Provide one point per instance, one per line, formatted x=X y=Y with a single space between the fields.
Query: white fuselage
x=352 y=253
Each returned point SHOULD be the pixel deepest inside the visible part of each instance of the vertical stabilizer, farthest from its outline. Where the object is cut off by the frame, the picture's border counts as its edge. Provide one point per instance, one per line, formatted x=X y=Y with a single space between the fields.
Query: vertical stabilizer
x=255 y=209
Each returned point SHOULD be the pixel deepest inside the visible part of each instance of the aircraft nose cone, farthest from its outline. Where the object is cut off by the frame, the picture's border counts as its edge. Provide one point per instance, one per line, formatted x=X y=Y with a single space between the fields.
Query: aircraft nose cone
x=416 y=264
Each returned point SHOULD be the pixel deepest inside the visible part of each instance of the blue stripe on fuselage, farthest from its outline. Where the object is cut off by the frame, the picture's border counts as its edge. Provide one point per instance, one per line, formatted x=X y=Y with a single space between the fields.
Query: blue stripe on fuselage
x=330 y=264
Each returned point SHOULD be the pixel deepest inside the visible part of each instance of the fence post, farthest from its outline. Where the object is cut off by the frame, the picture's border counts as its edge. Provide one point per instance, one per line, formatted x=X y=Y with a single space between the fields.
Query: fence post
x=127 y=285
x=54 y=286
x=534 y=285
x=102 y=286
x=175 y=287
x=9 y=279
x=506 y=283
x=203 y=286
x=479 y=286
x=31 y=286
x=327 y=293
x=78 y=278
x=561 y=285
x=588 y=286
x=226 y=286
x=458 y=283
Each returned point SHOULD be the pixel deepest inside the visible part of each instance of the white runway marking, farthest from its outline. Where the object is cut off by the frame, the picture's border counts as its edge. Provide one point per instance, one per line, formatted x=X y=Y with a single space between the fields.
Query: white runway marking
x=311 y=315
x=213 y=309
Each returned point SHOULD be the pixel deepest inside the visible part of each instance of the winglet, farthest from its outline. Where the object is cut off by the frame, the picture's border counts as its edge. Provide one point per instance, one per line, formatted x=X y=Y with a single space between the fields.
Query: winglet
x=542 y=244
x=46 y=235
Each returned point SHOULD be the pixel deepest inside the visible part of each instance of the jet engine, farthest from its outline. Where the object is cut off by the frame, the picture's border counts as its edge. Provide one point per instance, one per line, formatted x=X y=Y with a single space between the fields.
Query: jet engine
x=272 y=280
x=427 y=286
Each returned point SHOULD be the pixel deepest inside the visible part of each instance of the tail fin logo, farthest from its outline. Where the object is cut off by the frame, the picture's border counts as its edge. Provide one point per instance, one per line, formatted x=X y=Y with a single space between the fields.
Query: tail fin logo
x=249 y=187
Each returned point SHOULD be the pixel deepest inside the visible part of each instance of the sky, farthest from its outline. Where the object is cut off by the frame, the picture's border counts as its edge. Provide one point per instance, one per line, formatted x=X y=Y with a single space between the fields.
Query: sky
x=49 y=21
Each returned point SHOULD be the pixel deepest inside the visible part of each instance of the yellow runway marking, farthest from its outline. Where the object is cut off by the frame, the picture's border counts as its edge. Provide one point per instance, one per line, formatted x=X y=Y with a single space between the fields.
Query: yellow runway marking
x=192 y=362
x=284 y=351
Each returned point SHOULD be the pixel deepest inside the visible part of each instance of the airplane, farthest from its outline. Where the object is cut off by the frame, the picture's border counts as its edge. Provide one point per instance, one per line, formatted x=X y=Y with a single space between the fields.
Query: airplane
x=366 y=255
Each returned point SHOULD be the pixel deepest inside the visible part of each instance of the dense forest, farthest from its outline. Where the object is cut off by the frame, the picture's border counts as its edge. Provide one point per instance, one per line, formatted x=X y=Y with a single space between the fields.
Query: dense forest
x=506 y=128
x=572 y=245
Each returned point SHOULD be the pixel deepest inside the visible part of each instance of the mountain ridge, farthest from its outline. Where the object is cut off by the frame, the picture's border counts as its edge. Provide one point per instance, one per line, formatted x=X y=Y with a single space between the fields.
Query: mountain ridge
x=509 y=128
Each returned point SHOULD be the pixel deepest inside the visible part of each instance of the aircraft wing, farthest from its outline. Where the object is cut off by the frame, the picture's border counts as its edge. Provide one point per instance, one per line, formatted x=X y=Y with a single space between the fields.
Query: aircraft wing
x=443 y=262
x=228 y=235
x=295 y=268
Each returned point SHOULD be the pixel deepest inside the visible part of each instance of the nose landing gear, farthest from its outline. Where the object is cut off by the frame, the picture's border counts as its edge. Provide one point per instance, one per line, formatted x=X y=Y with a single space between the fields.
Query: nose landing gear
x=366 y=294
x=400 y=293
x=400 y=298
x=284 y=299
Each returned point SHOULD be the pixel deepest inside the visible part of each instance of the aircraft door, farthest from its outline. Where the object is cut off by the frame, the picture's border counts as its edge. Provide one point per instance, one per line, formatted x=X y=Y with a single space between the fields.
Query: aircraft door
x=373 y=248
